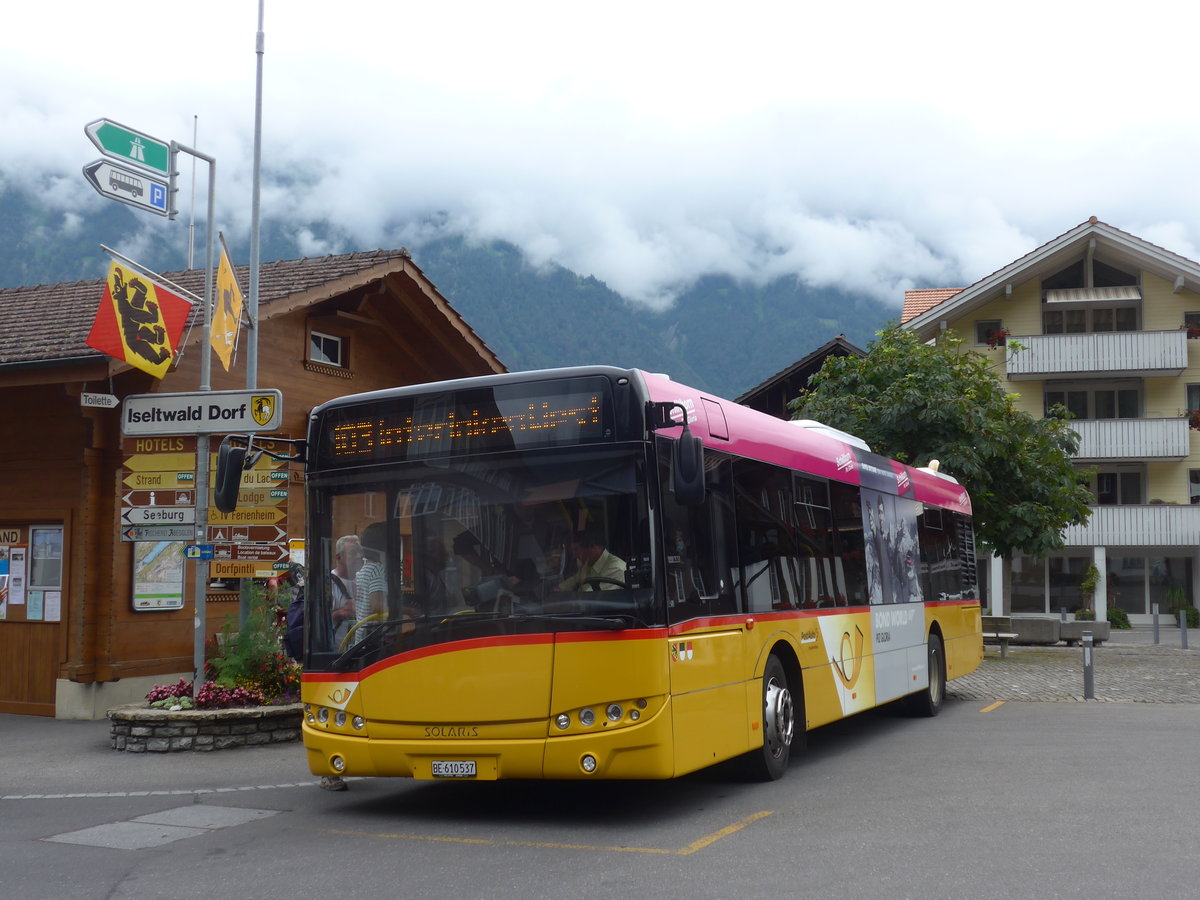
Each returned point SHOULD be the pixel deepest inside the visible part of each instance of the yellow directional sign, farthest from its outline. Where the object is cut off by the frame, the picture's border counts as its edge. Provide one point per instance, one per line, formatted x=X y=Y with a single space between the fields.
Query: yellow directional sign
x=248 y=568
x=149 y=481
x=260 y=478
x=161 y=462
x=266 y=495
x=253 y=515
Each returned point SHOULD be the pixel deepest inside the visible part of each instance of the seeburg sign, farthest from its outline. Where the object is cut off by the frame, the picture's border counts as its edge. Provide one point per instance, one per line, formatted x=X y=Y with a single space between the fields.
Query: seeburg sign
x=203 y=412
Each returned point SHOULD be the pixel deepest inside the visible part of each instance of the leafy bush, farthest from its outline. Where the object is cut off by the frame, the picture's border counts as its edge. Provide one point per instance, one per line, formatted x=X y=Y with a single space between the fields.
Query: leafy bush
x=1085 y=615
x=210 y=696
x=1177 y=599
x=1191 y=613
x=162 y=693
x=1119 y=619
x=215 y=696
x=247 y=668
x=251 y=657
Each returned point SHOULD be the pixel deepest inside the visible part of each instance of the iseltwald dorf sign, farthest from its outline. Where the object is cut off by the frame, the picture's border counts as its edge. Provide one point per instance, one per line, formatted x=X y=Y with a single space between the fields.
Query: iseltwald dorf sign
x=203 y=412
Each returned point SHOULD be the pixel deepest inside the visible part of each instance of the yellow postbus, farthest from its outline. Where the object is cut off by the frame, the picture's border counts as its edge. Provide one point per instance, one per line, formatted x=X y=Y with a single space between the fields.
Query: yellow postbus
x=601 y=573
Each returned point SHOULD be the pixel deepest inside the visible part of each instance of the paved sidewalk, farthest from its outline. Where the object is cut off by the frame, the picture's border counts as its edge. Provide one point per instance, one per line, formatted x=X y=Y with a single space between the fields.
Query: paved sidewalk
x=1128 y=667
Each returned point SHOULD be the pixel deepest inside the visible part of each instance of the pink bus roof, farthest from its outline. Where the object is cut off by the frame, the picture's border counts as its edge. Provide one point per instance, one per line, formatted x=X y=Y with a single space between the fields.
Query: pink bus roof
x=725 y=425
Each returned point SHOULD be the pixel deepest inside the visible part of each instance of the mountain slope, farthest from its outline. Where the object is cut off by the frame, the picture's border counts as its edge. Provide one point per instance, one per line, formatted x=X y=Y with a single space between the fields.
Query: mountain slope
x=722 y=336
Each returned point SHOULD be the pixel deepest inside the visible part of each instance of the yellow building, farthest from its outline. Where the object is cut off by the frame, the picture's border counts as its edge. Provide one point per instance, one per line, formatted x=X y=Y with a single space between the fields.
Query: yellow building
x=1099 y=320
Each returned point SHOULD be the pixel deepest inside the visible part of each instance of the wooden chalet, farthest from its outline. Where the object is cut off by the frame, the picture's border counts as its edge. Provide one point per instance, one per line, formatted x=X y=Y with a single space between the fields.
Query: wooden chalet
x=774 y=394
x=72 y=641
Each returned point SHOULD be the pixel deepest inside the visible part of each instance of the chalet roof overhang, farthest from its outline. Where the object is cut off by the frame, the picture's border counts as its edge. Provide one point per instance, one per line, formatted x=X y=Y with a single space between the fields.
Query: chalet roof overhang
x=399 y=299
x=54 y=350
x=1103 y=242
x=837 y=346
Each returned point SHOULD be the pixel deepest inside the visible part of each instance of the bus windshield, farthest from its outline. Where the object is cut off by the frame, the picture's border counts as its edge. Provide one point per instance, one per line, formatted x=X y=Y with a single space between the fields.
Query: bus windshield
x=432 y=551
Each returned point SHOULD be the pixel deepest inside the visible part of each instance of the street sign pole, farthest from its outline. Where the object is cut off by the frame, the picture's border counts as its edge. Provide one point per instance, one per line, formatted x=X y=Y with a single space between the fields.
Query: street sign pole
x=202 y=462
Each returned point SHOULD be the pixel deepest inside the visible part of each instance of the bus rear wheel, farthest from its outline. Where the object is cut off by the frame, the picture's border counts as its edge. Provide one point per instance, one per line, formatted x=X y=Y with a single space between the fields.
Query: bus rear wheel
x=769 y=762
x=929 y=701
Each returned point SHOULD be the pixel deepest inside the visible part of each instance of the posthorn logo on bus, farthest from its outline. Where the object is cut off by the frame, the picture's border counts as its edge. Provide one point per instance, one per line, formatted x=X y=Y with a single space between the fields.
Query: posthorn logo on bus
x=203 y=412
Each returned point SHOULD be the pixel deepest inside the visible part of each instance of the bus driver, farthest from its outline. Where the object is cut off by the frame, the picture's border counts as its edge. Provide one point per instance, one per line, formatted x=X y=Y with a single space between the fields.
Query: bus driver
x=594 y=562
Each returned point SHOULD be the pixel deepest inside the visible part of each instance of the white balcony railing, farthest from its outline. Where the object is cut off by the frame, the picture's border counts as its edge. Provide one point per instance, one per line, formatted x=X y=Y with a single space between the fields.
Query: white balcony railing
x=1098 y=354
x=1152 y=525
x=1109 y=439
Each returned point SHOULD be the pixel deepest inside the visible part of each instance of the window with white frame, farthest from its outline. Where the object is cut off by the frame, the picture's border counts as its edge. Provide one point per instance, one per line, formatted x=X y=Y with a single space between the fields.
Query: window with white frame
x=1118 y=487
x=1113 y=401
x=990 y=332
x=1193 y=396
x=1082 y=320
x=326 y=348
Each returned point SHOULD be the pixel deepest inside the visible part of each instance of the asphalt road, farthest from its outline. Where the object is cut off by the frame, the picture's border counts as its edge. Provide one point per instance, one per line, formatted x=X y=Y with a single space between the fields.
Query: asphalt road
x=994 y=798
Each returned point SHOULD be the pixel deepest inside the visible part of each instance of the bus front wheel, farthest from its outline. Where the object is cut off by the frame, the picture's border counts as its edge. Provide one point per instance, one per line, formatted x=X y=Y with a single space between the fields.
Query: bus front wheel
x=929 y=701
x=769 y=762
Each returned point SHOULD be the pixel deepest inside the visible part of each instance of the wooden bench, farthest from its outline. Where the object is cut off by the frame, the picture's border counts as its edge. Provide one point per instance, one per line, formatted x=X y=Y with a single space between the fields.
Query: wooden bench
x=998 y=629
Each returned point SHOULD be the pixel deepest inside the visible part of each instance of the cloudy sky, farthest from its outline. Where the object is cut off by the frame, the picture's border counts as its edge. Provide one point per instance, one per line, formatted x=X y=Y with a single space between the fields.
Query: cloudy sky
x=875 y=146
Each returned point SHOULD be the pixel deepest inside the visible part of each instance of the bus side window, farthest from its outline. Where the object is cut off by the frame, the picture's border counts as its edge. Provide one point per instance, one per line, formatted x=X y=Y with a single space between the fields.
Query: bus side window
x=850 y=545
x=698 y=543
x=823 y=573
x=772 y=575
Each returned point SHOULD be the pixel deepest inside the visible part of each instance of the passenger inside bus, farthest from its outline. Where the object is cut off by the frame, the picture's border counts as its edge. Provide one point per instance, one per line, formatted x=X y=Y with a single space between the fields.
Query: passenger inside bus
x=370 y=583
x=348 y=559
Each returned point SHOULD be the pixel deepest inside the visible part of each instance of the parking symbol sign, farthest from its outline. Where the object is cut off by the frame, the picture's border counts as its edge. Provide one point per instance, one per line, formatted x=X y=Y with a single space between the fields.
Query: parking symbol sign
x=158 y=196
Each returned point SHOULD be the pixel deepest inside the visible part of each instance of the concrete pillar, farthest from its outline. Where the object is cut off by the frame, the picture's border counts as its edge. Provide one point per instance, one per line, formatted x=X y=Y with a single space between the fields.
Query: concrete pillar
x=1100 y=600
x=1000 y=605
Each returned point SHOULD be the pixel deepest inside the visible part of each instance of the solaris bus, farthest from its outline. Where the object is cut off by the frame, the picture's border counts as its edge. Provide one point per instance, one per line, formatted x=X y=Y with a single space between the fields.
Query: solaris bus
x=600 y=573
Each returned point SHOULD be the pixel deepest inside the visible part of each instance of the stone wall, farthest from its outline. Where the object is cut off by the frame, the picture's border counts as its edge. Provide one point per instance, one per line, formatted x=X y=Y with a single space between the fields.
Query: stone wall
x=139 y=729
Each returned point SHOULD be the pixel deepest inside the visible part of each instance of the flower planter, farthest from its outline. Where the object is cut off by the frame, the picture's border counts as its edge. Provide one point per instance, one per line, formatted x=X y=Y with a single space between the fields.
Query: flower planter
x=140 y=729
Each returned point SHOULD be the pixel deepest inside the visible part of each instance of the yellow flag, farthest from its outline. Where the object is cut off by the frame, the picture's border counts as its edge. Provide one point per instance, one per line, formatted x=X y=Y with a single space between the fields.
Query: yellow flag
x=227 y=316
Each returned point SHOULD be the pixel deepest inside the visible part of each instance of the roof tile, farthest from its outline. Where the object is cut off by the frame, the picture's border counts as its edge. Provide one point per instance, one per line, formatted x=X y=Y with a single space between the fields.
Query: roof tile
x=917 y=302
x=46 y=322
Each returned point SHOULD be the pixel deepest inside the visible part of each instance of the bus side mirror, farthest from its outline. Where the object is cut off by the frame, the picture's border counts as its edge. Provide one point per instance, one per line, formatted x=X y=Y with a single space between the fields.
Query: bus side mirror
x=687 y=470
x=228 y=481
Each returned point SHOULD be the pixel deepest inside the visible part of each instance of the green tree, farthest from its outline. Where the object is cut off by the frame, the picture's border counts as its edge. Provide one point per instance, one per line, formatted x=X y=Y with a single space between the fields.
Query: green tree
x=916 y=402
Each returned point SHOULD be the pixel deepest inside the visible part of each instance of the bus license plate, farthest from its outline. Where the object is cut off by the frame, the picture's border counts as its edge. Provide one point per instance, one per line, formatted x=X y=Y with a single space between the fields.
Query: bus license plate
x=453 y=768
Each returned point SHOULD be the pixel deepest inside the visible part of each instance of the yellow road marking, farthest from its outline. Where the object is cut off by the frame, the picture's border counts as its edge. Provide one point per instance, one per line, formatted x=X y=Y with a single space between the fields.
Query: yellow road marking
x=549 y=845
x=724 y=832
x=995 y=705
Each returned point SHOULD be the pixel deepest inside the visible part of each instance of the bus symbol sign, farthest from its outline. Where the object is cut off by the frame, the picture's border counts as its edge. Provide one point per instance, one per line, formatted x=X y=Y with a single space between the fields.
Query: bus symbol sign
x=129 y=186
